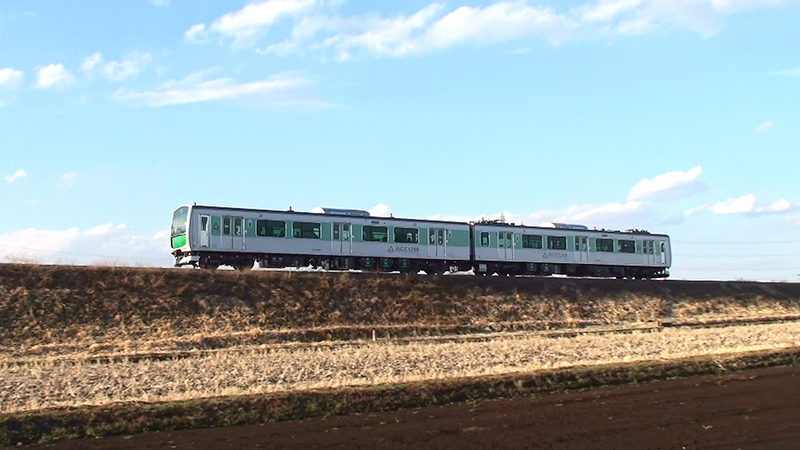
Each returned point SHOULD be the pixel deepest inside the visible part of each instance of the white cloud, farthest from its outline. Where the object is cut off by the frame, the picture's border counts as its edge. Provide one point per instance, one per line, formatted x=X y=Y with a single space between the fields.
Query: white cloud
x=18 y=174
x=432 y=27
x=693 y=211
x=281 y=89
x=67 y=180
x=196 y=33
x=10 y=78
x=54 y=75
x=668 y=186
x=605 y=10
x=380 y=210
x=247 y=25
x=764 y=126
x=104 y=244
x=743 y=204
x=747 y=204
x=9 y=81
x=131 y=65
x=787 y=73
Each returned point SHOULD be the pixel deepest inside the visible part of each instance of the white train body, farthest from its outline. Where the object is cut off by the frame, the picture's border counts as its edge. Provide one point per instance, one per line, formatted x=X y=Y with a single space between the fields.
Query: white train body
x=571 y=250
x=210 y=236
x=343 y=239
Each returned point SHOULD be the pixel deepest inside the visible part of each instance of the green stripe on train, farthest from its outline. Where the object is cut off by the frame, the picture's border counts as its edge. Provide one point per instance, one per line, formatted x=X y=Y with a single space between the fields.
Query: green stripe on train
x=178 y=241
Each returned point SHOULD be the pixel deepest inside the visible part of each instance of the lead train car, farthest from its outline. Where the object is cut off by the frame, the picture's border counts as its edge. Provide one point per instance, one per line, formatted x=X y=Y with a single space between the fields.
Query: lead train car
x=211 y=236
x=208 y=236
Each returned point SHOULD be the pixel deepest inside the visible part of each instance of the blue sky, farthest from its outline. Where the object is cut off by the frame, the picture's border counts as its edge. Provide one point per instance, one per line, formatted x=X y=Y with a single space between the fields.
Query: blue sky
x=677 y=116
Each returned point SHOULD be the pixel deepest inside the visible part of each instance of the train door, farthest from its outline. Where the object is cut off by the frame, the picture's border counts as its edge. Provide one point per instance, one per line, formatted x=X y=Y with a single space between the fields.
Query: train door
x=437 y=240
x=237 y=234
x=663 y=254
x=205 y=233
x=505 y=245
x=226 y=243
x=582 y=248
x=649 y=250
x=342 y=243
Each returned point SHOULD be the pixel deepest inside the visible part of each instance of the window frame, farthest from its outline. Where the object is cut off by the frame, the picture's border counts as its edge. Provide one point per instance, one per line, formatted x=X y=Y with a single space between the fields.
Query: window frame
x=623 y=244
x=552 y=240
x=602 y=247
x=485 y=237
x=403 y=232
x=368 y=231
x=269 y=226
x=315 y=230
x=527 y=239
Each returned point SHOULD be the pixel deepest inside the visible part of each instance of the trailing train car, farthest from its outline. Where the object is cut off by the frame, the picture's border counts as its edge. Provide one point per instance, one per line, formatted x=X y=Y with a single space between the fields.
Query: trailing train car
x=556 y=248
x=210 y=236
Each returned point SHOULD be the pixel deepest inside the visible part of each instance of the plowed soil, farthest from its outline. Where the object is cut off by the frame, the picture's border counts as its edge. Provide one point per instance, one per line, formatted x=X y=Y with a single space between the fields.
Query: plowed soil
x=755 y=409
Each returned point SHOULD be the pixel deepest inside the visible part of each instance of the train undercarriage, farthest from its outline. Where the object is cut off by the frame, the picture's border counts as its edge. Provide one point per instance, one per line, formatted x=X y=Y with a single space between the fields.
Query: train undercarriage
x=246 y=261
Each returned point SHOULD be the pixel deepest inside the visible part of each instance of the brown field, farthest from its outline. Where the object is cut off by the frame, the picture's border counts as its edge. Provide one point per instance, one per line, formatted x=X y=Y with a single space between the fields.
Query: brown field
x=97 y=337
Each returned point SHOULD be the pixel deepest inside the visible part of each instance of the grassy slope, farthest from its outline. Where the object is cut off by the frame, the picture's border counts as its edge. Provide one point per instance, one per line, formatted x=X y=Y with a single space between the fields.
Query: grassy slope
x=60 y=309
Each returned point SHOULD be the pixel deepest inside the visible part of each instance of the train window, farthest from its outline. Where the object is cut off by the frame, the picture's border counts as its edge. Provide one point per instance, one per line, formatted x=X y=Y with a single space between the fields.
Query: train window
x=605 y=245
x=271 y=228
x=627 y=246
x=531 y=241
x=226 y=226
x=556 y=242
x=663 y=248
x=375 y=234
x=500 y=241
x=485 y=239
x=179 y=221
x=306 y=230
x=237 y=226
x=406 y=235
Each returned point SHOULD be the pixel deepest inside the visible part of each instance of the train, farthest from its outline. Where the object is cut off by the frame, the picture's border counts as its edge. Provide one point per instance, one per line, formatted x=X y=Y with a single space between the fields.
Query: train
x=349 y=239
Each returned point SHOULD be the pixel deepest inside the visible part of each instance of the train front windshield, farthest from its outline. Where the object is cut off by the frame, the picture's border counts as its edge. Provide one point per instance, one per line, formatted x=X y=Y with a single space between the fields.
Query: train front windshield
x=179 y=225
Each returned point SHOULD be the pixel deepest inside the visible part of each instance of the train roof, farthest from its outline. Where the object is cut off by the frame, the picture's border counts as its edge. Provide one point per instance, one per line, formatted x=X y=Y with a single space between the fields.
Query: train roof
x=551 y=226
x=330 y=212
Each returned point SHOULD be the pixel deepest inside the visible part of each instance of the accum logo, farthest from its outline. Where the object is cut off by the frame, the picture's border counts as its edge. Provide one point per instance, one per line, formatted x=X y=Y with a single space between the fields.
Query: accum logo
x=403 y=249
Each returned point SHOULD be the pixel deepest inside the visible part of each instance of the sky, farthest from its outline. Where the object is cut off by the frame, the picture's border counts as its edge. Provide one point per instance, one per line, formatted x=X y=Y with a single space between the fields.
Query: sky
x=676 y=116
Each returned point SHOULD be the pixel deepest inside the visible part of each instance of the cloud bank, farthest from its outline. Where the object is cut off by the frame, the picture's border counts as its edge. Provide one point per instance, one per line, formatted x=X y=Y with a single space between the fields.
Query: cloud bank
x=747 y=205
x=104 y=244
x=318 y=27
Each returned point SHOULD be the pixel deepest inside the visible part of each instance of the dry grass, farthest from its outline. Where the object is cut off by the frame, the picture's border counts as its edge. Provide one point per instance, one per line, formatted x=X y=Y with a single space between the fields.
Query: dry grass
x=49 y=383
x=48 y=310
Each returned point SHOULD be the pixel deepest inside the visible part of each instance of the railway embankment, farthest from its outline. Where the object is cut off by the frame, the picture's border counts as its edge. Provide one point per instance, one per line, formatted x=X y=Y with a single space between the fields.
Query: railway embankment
x=101 y=351
x=112 y=310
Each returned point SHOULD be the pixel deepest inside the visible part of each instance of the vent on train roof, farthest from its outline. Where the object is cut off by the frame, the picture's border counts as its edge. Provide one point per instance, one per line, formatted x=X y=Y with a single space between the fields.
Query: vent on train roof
x=342 y=212
x=563 y=226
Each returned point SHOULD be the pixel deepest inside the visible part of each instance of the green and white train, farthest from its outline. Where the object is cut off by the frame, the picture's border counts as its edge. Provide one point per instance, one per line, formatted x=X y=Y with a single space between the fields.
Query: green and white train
x=342 y=239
